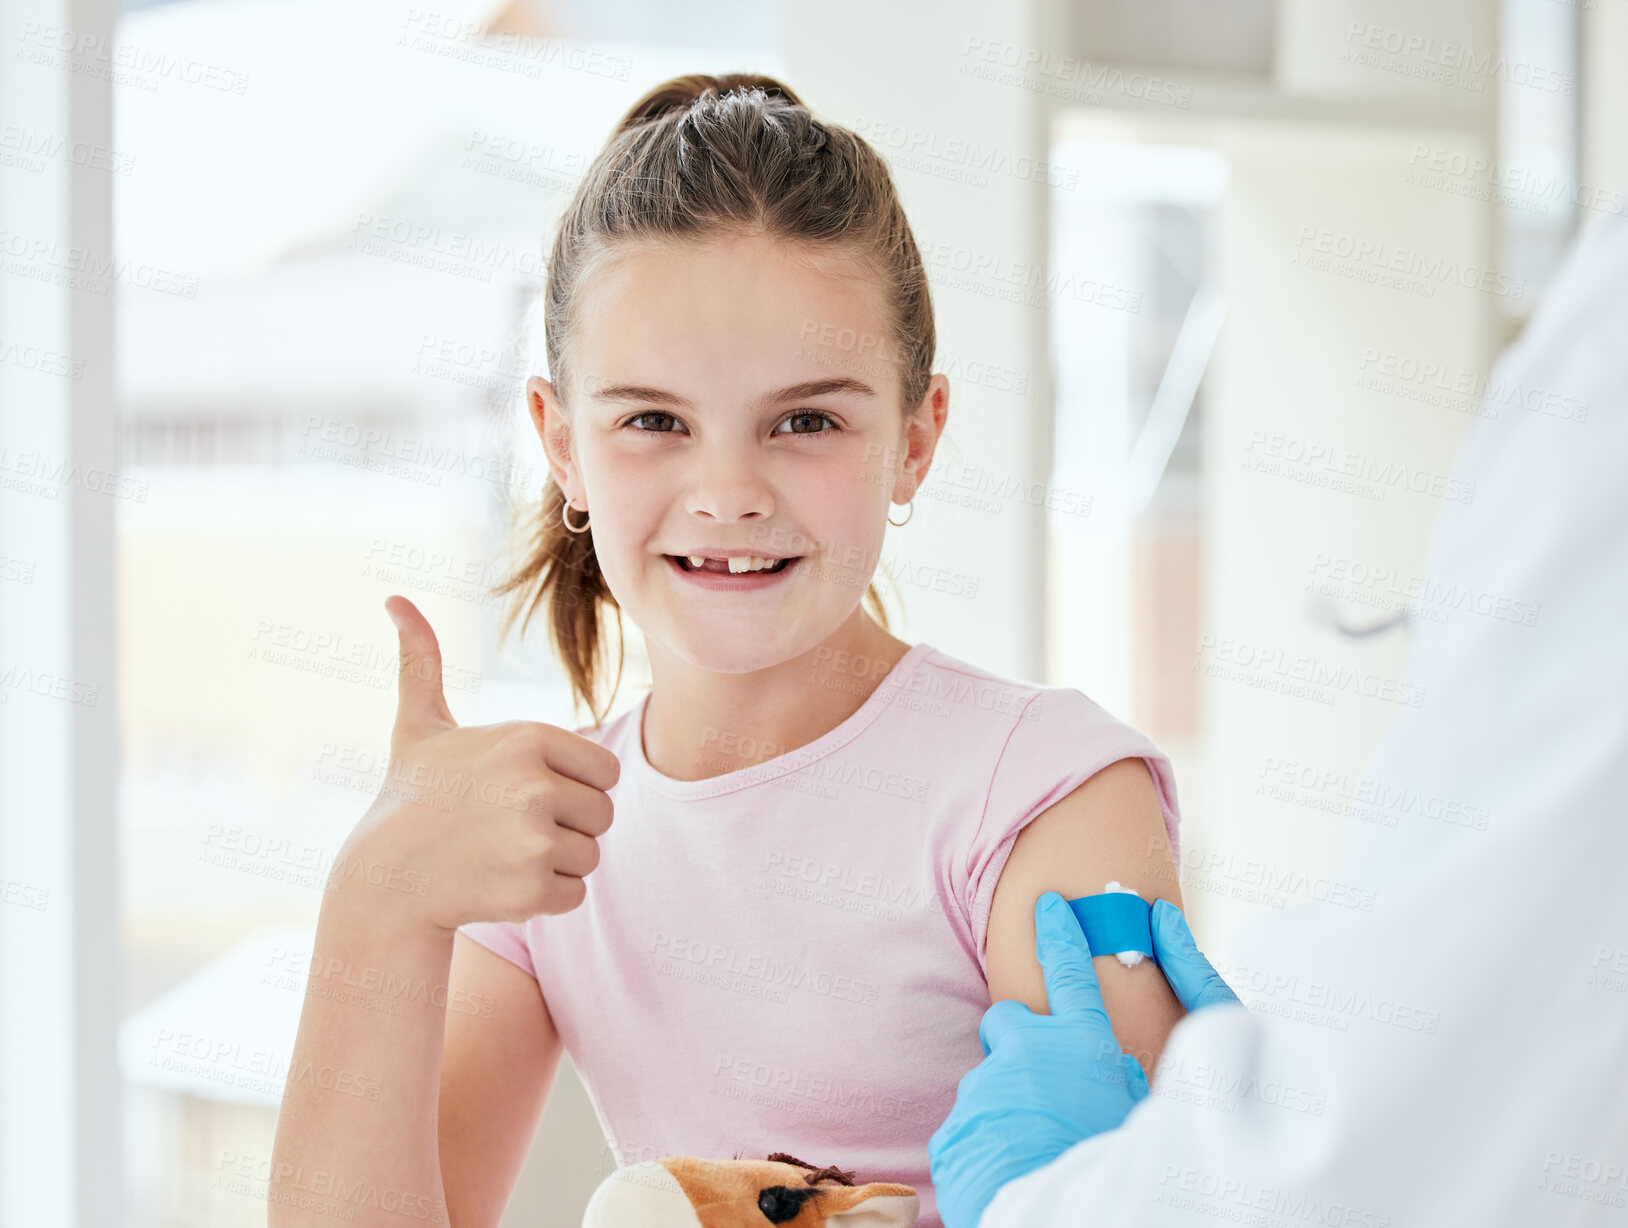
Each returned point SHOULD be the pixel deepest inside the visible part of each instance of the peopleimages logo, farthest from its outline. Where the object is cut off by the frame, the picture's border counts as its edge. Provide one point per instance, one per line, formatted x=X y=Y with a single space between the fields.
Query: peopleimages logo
x=1392 y=265
x=121 y=61
x=1447 y=63
x=1065 y=76
x=1285 y=455
x=1366 y=797
x=718 y=959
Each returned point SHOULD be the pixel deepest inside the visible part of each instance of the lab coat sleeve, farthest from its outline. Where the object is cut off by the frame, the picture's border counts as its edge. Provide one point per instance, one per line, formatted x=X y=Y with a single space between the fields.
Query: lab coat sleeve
x=1449 y=1044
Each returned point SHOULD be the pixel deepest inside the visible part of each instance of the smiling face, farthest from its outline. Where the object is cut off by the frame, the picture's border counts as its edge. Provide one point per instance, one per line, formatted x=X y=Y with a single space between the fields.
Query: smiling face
x=736 y=395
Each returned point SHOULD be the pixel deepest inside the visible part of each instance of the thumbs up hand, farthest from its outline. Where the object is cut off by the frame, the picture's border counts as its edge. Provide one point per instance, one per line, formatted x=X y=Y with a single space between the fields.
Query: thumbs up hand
x=501 y=821
x=1046 y=1082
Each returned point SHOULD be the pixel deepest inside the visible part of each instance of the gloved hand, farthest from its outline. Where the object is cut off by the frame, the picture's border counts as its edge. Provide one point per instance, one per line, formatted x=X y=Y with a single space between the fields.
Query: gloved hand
x=1196 y=982
x=1046 y=1081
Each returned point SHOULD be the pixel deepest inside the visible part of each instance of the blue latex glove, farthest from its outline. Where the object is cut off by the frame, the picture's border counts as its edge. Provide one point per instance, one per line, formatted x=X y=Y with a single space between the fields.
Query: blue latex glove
x=1193 y=978
x=1046 y=1081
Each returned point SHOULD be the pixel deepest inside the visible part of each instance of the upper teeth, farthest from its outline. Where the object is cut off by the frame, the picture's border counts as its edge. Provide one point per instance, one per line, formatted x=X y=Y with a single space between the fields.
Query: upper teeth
x=744 y=563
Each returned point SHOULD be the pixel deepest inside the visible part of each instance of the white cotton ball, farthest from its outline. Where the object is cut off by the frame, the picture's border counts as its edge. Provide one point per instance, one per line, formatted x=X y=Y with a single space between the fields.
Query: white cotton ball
x=1129 y=958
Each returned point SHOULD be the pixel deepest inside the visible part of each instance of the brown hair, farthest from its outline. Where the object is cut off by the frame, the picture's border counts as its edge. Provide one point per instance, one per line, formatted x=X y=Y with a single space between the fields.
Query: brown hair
x=700 y=156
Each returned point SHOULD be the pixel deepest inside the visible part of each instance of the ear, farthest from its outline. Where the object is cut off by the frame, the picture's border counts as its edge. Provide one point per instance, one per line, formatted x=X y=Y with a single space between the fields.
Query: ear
x=921 y=434
x=640 y=1196
x=890 y=1206
x=553 y=428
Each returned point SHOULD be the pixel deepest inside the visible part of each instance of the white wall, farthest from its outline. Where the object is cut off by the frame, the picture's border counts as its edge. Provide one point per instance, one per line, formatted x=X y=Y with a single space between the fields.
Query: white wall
x=1300 y=340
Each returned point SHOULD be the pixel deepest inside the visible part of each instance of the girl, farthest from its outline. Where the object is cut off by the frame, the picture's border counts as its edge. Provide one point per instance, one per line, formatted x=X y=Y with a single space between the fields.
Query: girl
x=827 y=842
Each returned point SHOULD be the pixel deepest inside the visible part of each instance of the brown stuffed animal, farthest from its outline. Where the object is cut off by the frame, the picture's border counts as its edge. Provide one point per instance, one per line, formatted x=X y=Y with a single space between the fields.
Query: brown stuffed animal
x=684 y=1192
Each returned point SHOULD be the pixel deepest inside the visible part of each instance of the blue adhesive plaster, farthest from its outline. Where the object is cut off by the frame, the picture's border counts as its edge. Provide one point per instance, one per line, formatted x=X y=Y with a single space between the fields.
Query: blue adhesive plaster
x=1115 y=922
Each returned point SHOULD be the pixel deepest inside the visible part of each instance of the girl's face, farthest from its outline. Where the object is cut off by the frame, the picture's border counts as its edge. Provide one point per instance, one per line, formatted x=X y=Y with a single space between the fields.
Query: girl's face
x=735 y=395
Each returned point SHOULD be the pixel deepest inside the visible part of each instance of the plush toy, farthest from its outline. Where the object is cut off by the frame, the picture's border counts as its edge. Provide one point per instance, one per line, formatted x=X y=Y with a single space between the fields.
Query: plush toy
x=685 y=1192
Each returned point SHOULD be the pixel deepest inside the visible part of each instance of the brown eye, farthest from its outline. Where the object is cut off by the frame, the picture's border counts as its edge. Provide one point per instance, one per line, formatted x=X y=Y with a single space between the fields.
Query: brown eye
x=653 y=413
x=807 y=414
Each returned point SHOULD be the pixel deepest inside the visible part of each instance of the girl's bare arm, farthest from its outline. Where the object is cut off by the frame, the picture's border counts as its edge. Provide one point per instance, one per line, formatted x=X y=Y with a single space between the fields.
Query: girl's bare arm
x=434 y=1107
x=484 y=823
x=359 y=1106
x=1109 y=828
x=502 y=1054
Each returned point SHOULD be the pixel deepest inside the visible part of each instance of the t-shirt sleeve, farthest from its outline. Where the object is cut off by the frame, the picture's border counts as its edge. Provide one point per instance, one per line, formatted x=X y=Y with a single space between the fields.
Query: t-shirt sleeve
x=1061 y=739
x=507 y=938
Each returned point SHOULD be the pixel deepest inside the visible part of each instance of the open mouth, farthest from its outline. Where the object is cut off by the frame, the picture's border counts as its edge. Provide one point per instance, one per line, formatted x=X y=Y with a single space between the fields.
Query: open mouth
x=721 y=567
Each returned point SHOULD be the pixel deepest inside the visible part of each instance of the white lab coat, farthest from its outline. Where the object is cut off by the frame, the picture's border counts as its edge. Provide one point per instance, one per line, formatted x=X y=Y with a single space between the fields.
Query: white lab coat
x=1485 y=1080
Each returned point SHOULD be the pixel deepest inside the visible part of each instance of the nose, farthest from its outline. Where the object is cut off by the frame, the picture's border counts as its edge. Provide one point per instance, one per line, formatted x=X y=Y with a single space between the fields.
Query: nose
x=729 y=485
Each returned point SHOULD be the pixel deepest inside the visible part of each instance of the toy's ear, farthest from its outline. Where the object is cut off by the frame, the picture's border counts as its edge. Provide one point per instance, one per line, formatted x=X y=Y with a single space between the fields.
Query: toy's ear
x=877 y=1205
x=646 y=1195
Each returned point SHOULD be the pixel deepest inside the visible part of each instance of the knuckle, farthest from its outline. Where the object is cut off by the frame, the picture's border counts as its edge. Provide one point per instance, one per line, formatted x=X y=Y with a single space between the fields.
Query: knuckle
x=532 y=846
x=518 y=731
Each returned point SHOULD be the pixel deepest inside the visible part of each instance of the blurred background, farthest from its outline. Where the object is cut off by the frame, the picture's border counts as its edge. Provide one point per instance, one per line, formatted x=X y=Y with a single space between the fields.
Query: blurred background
x=1219 y=284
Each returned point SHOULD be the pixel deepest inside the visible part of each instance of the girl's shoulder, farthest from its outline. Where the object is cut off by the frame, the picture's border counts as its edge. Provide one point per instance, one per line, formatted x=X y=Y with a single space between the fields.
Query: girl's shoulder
x=1033 y=741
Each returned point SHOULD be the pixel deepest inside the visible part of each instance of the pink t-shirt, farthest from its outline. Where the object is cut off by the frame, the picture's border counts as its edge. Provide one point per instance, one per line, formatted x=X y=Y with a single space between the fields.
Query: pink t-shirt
x=790 y=957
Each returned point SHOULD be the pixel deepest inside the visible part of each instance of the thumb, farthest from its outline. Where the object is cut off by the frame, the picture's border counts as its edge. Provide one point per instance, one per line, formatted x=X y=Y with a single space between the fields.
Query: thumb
x=1065 y=961
x=421 y=705
x=1196 y=982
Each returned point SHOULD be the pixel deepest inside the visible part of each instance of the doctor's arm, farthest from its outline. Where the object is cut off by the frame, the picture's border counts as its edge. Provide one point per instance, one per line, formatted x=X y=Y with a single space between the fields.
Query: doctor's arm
x=1109 y=828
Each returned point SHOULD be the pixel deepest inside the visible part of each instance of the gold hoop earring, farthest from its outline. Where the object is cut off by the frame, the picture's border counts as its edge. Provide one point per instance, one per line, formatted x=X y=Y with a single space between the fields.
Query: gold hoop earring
x=901 y=523
x=565 y=518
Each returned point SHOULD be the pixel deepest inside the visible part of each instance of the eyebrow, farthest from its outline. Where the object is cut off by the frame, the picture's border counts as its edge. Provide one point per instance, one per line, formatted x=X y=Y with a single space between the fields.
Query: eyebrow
x=796 y=392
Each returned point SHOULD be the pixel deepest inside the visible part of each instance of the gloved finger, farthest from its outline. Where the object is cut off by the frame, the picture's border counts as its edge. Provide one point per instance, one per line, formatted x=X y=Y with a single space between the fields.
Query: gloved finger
x=1000 y=1019
x=1136 y=1080
x=1194 y=978
x=1065 y=960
